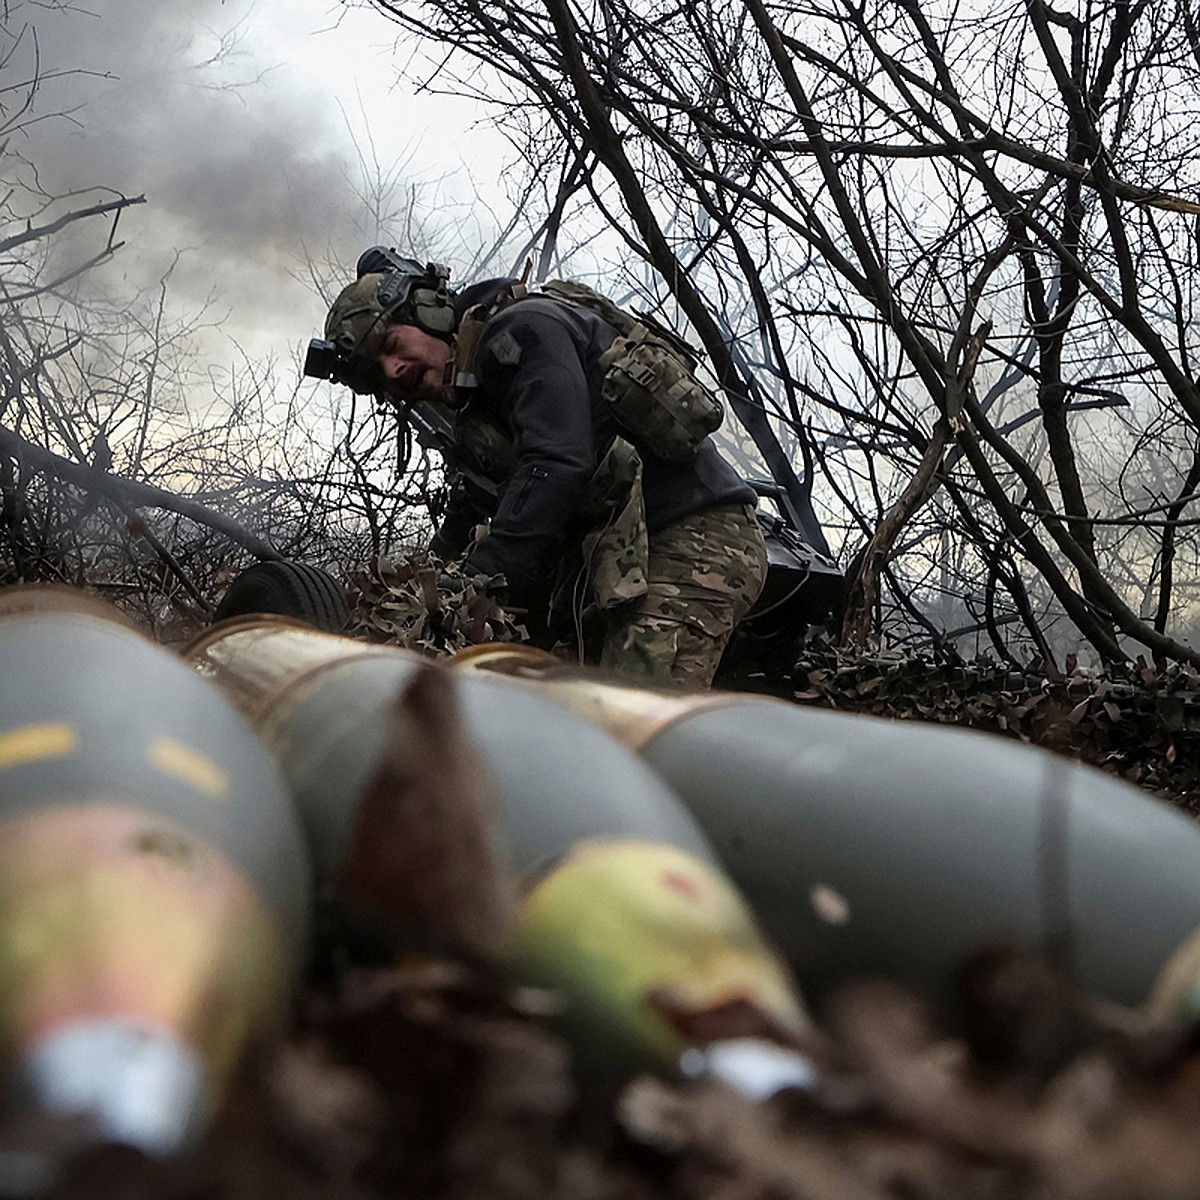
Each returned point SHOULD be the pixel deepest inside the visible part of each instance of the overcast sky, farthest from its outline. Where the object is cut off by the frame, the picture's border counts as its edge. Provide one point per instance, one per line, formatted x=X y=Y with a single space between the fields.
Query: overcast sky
x=243 y=122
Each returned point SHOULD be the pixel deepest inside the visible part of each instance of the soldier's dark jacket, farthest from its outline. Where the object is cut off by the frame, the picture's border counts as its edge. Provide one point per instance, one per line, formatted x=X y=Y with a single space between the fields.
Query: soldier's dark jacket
x=532 y=380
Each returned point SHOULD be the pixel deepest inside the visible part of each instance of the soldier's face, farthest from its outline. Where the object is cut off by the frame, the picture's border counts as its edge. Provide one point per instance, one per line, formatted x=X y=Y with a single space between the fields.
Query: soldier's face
x=414 y=363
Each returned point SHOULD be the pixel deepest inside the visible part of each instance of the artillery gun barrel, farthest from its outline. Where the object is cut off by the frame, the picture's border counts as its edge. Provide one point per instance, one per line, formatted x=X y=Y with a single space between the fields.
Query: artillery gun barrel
x=876 y=847
x=153 y=880
x=621 y=898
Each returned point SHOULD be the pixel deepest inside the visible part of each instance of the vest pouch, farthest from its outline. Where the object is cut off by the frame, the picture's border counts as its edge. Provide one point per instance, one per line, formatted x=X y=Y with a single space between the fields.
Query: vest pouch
x=650 y=390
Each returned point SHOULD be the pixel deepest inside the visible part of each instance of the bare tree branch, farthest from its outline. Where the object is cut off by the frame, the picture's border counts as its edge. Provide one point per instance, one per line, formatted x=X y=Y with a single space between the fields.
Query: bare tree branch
x=129 y=491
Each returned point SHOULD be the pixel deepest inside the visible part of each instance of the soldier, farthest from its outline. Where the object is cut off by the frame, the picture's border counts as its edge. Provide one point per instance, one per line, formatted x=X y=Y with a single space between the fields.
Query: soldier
x=657 y=536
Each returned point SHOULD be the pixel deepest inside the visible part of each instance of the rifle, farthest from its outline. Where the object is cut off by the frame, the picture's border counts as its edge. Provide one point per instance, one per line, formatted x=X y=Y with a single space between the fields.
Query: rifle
x=433 y=428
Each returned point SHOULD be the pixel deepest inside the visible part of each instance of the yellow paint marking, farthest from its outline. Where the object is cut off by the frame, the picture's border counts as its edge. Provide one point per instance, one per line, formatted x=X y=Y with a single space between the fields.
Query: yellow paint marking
x=33 y=742
x=189 y=765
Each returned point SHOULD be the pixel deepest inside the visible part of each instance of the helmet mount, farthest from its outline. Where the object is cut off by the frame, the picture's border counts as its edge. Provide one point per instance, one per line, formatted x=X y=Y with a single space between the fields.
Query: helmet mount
x=411 y=293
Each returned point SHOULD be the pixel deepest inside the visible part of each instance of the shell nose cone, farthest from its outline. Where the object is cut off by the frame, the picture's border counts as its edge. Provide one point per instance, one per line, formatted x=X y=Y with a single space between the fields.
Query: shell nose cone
x=755 y=1068
x=133 y=1083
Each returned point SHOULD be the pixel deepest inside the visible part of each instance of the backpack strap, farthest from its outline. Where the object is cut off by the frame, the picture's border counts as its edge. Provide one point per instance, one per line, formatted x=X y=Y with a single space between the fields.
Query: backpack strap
x=470 y=332
x=466 y=345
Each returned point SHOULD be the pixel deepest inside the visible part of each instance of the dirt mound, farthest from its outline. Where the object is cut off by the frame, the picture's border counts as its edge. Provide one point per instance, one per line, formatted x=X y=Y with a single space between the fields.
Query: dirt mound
x=433 y=1082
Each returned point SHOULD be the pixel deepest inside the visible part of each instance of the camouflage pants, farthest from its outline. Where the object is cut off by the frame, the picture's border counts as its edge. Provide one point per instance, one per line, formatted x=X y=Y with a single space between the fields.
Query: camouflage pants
x=706 y=571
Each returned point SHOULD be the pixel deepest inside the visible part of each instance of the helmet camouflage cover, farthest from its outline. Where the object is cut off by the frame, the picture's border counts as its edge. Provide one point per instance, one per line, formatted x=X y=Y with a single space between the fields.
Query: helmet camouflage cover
x=408 y=295
x=356 y=318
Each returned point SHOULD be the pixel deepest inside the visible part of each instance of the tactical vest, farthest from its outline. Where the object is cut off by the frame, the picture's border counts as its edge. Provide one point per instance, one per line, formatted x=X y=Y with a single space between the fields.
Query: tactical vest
x=645 y=380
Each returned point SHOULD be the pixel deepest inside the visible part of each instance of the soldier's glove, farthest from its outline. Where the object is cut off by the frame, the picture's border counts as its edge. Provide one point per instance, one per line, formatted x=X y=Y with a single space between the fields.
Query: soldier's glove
x=442 y=546
x=459 y=575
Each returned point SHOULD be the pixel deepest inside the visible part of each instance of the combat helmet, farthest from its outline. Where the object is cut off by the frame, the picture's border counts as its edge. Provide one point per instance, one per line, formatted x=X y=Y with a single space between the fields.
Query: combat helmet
x=390 y=290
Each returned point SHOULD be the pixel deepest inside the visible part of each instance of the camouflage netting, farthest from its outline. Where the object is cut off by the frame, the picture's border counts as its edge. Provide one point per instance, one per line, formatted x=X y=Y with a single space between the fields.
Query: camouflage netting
x=426 y=605
x=1141 y=722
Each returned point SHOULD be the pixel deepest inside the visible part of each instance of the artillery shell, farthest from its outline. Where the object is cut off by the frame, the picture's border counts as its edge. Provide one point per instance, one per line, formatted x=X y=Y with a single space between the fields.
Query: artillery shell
x=153 y=882
x=594 y=836
x=875 y=847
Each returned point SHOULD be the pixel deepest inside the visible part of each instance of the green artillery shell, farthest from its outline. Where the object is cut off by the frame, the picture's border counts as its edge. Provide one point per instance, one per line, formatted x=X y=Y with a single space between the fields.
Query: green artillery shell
x=153 y=881
x=619 y=925
x=868 y=846
x=623 y=899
